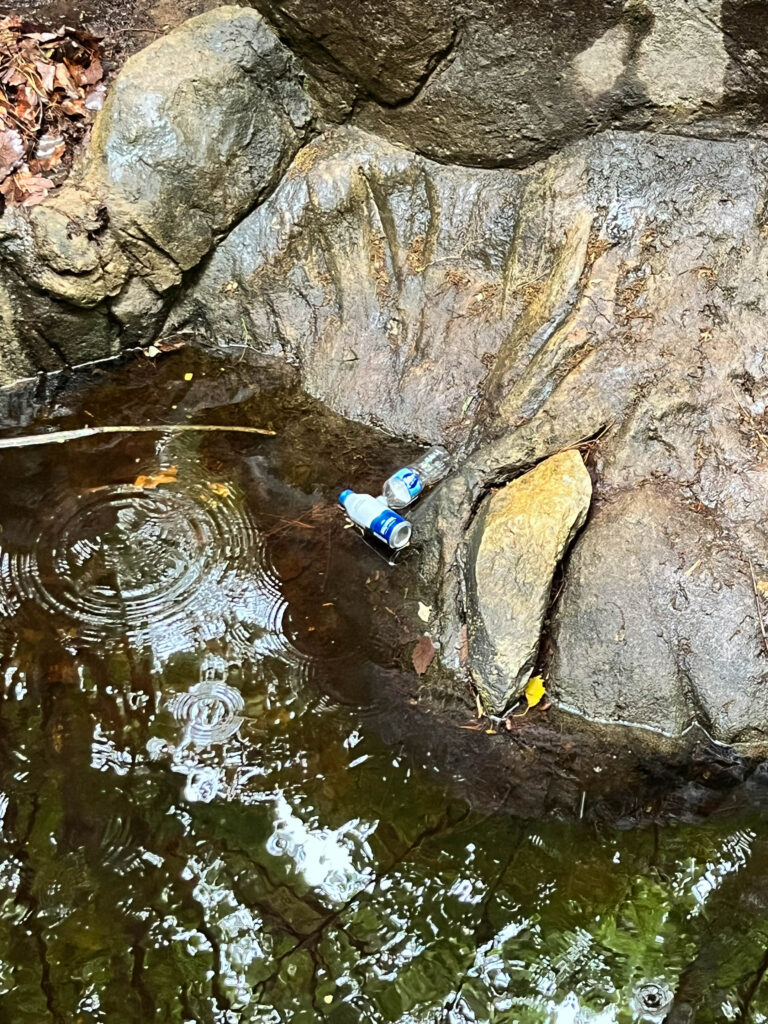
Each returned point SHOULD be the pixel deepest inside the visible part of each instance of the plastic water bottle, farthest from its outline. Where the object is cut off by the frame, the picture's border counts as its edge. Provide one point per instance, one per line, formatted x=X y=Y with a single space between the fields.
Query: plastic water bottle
x=406 y=484
x=372 y=514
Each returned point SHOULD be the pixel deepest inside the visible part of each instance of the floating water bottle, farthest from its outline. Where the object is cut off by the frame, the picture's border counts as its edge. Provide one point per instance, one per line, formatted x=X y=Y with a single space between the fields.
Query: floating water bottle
x=406 y=484
x=372 y=514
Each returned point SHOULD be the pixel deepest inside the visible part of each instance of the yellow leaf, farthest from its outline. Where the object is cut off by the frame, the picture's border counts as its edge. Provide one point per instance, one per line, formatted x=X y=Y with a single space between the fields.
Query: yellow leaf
x=534 y=691
x=188 y=376
x=163 y=476
x=222 y=490
x=762 y=586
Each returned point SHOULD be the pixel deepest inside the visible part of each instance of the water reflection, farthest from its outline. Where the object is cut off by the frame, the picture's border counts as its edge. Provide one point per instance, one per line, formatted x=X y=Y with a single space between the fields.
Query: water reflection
x=200 y=823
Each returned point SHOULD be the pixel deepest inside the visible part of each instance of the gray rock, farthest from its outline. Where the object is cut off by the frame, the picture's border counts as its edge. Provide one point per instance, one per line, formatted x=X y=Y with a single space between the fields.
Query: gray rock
x=379 y=273
x=642 y=260
x=487 y=82
x=658 y=623
x=197 y=129
x=385 y=48
x=515 y=545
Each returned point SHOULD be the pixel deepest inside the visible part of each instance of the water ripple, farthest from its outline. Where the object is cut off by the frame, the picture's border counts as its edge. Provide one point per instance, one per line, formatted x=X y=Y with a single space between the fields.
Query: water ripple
x=209 y=713
x=168 y=568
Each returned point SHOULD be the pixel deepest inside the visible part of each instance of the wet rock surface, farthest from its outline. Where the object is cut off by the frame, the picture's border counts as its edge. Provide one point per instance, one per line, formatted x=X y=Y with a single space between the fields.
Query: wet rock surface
x=485 y=82
x=157 y=187
x=610 y=295
x=516 y=543
x=657 y=621
x=644 y=333
x=379 y=273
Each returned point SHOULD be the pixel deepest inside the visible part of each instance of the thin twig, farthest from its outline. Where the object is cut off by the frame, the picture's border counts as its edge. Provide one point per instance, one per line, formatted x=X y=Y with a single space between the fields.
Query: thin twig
x=61 y=436
x=757 y=606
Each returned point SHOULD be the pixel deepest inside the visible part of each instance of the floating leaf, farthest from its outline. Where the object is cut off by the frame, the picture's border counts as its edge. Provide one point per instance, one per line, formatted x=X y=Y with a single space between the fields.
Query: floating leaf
x=163 y=476
x=222 y=490
x=423 y=654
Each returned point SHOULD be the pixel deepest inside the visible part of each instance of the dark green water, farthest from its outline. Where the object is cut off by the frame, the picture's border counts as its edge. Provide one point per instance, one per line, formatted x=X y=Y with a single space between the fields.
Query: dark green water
x=211 y=809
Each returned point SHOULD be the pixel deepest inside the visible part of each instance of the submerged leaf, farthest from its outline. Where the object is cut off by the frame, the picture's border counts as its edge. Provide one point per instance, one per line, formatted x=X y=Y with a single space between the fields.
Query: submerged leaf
x=222 y=490
x=423 y=654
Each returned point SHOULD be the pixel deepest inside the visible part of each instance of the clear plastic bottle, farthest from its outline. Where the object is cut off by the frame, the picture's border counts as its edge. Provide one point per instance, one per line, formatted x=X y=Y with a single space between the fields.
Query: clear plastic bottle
x=404 y=486
x=374 y=515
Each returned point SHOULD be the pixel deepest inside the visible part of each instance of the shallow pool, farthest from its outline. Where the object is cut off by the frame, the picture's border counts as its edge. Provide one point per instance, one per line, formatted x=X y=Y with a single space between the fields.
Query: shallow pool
x=214 y=805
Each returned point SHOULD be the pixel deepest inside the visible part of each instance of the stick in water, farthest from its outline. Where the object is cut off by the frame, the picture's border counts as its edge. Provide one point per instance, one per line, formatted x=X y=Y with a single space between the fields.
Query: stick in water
x=61 y=436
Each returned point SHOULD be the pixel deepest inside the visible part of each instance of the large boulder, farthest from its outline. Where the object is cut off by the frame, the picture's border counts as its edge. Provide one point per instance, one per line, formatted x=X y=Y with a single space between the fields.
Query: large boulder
x=660 y=622
x=643 y=336
x=490 y=82
x=197 y=129
x=381 y=274
x=516 y=543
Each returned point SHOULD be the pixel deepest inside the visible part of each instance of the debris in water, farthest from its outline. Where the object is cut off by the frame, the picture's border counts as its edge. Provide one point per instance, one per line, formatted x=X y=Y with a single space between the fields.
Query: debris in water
x=152 y=480
x=374 y=516
x=404 y=486
x=534 y=691
x=533 y=694
x=423 y=654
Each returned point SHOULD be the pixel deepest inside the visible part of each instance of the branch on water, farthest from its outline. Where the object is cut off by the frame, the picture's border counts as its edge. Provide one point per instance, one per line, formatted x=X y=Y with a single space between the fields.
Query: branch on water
x=62 y=436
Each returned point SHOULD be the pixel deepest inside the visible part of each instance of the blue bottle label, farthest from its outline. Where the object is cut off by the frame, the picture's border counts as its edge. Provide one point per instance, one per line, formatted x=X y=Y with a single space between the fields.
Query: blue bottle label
x=412 y=481
x=384 y=524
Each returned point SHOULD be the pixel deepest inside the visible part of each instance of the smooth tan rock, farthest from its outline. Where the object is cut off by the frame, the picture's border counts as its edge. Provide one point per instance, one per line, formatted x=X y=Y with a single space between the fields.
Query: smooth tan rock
x=515 y=545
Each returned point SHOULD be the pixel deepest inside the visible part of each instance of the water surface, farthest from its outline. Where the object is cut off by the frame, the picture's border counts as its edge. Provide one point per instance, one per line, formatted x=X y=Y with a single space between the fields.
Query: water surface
x=213 y=806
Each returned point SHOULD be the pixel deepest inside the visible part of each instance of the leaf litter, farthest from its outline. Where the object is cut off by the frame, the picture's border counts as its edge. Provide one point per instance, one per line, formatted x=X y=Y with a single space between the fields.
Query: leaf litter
x=50 y=90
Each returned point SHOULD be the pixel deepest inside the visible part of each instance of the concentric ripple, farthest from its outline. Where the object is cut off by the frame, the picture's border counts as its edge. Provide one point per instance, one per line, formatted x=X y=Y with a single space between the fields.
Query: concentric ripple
x=167 y=568
x=209 y=712
x=652 y=999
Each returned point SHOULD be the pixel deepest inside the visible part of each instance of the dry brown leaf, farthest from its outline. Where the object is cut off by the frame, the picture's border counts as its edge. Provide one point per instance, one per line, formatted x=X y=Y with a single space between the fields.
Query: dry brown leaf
x=423 y=654
x=73 y=107
x=152 y=480
x=42 y=37
x=46 y=78
x=31 y=188
x=90 y=75
x=46 y=73
x=50 y=150
x=66 y=82
x=11 y=151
